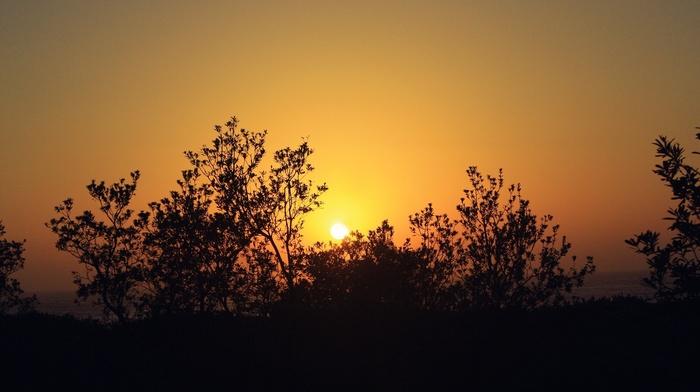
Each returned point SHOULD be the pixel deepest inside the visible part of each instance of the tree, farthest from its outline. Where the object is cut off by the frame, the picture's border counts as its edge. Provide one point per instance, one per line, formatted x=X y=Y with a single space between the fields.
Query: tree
x=254 y=203
x=11 y=261
x=510 y=258
x=285 y=198
x=360 y=272
x=182 y=273
x=259 y=285
x=227 y=240
x=435 y=263
x=109 y=250
x=674 y=269
x=503 y=257
x=199 y=261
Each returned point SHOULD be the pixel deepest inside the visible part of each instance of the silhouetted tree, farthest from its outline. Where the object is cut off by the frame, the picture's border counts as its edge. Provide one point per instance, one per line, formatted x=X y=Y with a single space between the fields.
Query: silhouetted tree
x=328 y=268
x=11 y=261
x=183 y=274
x=512 y=259
x=674 y=269
x=227 y=240
x=198 y=262
x=383 y=275
x=255 y=203
x=109 y=250
x=504 y=257
x=369 y=271
x=360 y=272
x=259 y=284
x=435 y=267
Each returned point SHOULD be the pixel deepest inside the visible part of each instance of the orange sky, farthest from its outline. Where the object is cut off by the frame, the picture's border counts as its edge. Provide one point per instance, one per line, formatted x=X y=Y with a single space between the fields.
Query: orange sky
x=397 y=98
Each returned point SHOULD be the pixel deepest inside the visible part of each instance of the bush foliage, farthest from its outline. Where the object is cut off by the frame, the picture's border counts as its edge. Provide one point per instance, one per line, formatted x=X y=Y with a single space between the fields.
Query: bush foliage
x=674 y=268
x=11 y=261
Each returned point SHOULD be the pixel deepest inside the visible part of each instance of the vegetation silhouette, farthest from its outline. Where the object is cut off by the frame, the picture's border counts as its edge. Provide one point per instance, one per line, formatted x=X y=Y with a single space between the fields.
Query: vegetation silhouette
x=494 y=256
x=11 y=261
x=109 y=249
x=674 y=268
x=229 y=240
x=512 y=259
x=360 y=273
x=212 y=288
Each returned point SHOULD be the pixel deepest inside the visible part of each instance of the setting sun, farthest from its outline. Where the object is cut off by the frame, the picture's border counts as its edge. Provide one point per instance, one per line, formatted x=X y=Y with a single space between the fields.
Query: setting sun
x=339 y=231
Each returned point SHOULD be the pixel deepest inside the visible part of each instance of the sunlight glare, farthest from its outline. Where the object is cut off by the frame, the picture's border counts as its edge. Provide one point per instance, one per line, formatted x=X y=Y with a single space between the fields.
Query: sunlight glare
x=339 y=231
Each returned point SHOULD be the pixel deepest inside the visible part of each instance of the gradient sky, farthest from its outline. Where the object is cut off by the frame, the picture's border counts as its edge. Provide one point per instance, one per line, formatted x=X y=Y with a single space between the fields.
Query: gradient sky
x=398 y=99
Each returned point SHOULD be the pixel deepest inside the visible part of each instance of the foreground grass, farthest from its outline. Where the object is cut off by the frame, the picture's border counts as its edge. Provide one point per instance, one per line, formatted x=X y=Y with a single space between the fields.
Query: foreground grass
x=618 y=344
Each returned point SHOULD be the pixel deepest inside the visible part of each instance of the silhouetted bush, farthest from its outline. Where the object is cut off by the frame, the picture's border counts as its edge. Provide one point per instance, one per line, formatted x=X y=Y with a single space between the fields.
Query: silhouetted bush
x=674 y=268
x=11 y=261
x=510 y=257
x=360 y=272
x=503 y=257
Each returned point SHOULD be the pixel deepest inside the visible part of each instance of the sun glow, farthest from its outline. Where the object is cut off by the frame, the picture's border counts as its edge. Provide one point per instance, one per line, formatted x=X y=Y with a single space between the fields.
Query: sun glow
x=339 y=231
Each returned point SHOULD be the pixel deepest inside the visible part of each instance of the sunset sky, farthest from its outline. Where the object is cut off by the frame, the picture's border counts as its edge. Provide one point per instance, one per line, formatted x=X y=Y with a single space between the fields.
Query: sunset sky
x=397 y=98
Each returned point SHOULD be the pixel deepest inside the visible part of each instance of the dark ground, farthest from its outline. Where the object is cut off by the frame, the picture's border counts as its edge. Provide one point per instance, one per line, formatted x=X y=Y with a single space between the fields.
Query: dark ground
x=607 y=345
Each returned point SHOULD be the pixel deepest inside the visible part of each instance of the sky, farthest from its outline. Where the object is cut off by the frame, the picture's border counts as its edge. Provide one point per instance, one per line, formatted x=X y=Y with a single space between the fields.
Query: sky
x=397 y=98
